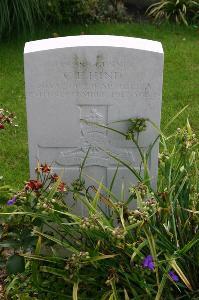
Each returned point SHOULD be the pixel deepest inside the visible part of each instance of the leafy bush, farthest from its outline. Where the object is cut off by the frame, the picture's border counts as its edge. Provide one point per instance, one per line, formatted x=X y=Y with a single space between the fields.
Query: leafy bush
x=86 y=11
x=23 y=15
x=181 y=11
x=114 y=251
x=72 y=10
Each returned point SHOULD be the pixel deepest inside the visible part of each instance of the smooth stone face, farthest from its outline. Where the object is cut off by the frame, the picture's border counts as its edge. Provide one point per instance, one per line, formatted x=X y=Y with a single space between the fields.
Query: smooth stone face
x=100 y=79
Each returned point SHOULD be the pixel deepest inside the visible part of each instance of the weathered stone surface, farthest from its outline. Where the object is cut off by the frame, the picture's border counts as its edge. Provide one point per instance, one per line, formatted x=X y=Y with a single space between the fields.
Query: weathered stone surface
x=99 y=79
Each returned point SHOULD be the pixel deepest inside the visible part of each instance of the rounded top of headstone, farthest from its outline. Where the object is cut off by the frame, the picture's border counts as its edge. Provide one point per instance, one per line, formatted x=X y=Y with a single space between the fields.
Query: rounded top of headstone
x=93 y=41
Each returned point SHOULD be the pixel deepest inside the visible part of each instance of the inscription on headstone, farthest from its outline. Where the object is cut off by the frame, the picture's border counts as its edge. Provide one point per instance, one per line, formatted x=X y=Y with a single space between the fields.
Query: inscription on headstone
x=100 y=79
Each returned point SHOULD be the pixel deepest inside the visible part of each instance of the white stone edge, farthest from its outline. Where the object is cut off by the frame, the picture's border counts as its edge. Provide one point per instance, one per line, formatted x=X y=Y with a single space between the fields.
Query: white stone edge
x=93 y=41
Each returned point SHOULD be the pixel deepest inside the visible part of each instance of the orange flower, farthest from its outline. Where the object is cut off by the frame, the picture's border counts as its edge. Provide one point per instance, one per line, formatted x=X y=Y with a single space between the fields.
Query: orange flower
x=54 y=177
x=62 y=187
x=45 y=168
x=33 y=185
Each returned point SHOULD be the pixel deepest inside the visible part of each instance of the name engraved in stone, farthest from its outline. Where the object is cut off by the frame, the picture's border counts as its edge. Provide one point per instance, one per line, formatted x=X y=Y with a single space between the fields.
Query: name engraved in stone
x=93 y=75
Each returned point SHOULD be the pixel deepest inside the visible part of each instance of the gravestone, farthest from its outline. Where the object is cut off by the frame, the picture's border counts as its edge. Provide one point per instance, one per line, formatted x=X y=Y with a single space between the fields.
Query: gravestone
x=100 y=79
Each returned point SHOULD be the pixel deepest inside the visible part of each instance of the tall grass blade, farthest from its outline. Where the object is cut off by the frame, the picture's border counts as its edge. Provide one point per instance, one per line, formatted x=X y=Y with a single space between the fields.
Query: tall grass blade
x=57 y=241
x=83 y=164
x=113 y=179
x=162 y=285
x=178 y=270
x=126 y=296
x=97 y=196
x=175 y=117
x=58 y=272
x=35 y=265
x=126 y=164
x=105 y=190
x=75 y=290
x=104 y=126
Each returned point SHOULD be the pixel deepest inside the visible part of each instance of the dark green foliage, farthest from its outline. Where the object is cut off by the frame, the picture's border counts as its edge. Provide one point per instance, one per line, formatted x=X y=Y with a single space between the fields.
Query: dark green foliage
x=19 y=15
x=86 y=11
x=180 y=11
x=15 y=264
x=101 y=255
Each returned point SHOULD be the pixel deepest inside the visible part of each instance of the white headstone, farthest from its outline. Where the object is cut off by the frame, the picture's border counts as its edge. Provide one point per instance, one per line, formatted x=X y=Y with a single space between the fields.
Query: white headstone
x=99 y=79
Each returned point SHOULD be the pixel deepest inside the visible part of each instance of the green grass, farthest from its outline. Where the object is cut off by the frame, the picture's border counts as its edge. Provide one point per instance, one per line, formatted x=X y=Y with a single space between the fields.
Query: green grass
x=181 y=77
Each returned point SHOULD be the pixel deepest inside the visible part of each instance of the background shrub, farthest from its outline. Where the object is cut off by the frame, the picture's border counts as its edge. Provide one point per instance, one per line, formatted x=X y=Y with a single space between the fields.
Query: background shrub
x=181 y=11
x=19 y=15
x=144 y=4
x=86 y=11
x=23 y=15
x=71 y=11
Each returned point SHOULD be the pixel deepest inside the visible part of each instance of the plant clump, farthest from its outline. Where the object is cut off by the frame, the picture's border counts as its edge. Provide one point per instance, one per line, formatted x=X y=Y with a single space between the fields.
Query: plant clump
x=140 y=245
x=136 y=126
x=180 y=11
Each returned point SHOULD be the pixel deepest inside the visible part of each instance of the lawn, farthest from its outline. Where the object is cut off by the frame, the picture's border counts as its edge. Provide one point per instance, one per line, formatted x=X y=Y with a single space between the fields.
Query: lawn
x=181 y=77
